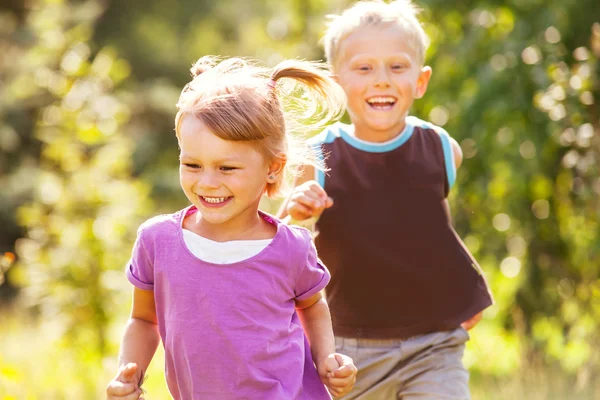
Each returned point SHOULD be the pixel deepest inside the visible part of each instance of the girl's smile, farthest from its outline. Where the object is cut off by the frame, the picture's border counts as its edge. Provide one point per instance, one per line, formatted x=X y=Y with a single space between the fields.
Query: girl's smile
x=224 y=179
x=215 y=201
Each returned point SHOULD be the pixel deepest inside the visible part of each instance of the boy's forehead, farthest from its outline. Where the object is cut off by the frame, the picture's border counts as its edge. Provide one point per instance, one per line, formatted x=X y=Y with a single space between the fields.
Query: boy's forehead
x=379 y=41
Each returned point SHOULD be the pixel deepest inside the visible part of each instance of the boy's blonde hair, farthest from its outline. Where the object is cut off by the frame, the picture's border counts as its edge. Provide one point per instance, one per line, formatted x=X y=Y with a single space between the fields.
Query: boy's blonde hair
x=239 y=100
x=374 y=13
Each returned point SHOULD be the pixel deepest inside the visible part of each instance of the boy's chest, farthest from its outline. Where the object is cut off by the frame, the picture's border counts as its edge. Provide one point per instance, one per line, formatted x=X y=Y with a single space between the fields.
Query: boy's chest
x=378 y=196
x=399 y=175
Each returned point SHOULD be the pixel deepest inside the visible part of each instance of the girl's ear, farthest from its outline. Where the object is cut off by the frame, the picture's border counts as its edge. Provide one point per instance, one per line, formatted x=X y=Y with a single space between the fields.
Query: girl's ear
x=275 y=168
x=423 y=81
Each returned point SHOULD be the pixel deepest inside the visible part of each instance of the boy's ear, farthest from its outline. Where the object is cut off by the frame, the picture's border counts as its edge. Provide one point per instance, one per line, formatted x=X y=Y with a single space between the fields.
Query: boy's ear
x=423 y=81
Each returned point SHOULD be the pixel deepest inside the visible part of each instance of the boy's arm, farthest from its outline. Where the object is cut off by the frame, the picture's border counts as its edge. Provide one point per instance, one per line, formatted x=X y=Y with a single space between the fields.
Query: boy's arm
x=457 y=152
x=307 y=173
x=140 y=340
x=458 y=158
x=306 y=202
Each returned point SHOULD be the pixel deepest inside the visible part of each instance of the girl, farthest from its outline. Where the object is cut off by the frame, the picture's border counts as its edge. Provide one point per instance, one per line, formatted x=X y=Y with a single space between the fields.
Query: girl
x=234 y=294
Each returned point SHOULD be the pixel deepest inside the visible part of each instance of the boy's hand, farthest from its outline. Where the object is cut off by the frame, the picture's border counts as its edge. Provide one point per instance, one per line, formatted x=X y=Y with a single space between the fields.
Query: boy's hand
x=125 y=385
x=338 y=373
x=308 y=200
x=471 y=322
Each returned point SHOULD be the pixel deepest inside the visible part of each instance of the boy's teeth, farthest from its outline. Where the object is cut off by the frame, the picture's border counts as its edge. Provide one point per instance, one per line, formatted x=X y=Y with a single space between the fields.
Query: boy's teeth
x=214 y=199
x=381 y=100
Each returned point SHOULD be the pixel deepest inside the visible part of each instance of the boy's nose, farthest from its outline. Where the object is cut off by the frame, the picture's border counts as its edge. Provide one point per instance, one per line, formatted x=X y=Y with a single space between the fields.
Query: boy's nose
x=382 y=78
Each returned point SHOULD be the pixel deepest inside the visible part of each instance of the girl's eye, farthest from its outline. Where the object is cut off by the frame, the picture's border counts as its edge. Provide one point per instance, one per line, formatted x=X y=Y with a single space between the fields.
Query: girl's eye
x=364 y=68
x=228 y=168
x=398 y=67
x=193 y=166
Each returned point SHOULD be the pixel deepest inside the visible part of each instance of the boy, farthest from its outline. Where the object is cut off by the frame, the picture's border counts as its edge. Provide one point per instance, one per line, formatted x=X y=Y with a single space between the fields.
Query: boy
x=404 y=288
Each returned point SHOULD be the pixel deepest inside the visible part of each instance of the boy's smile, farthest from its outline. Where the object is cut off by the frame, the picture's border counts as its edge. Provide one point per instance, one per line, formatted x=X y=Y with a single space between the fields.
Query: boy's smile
x=378 y=69
x=382 y=102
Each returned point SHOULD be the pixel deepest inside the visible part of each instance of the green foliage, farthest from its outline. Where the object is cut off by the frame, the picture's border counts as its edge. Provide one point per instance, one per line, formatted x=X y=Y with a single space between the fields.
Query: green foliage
x=519 y=92
x=85 y=203
x=86 y=140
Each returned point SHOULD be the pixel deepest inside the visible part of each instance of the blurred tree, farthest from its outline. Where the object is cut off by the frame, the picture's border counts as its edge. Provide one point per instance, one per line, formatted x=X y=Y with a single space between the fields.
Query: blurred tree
x=517 y=85
x=62 y=105
x=86 y=138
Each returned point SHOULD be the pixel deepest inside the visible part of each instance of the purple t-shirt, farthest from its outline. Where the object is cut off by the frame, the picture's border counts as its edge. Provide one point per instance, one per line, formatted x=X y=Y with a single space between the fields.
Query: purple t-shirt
x=230 y=331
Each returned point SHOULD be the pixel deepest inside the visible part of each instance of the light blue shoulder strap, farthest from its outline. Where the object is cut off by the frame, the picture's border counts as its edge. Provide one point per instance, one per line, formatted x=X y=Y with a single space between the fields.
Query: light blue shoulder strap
x=446 y=146
x=448 y=157
x=326 y=136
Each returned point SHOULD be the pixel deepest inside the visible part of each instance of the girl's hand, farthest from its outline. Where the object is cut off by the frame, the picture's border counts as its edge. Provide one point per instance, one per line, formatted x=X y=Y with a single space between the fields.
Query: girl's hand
x=474 y=320
x=125 y=385
x=338 y=373
x=308 y=200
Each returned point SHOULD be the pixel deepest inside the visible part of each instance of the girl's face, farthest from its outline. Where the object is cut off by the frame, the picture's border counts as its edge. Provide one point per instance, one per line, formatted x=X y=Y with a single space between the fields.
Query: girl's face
x=224 y=179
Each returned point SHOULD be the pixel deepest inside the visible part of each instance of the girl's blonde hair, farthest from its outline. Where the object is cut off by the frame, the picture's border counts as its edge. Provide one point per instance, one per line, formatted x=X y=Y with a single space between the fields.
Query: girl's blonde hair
x=374 y=13
x=241 y=101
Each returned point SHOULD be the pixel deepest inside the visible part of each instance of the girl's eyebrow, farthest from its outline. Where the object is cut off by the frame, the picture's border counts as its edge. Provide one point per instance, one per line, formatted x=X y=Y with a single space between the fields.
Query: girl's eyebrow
x=225 y=160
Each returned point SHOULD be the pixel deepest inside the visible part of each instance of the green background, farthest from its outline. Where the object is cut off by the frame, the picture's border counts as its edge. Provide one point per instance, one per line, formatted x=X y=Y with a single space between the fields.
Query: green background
x=87 y=152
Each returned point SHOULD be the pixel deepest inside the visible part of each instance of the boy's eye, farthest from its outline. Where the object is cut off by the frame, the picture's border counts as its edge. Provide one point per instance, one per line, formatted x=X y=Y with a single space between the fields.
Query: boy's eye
x=398 y=67
x=225 y=168
x=191 y=165
x=362 y=67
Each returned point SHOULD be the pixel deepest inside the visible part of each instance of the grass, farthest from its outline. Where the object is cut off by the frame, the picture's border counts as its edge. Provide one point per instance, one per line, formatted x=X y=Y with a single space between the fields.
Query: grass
x=33 y=366
x=531 y=385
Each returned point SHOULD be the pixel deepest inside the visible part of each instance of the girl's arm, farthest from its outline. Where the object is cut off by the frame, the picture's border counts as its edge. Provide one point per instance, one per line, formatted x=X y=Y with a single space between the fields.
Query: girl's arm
x=336 y=371
x=316 y=321
x=141 y=337
x=139 y=343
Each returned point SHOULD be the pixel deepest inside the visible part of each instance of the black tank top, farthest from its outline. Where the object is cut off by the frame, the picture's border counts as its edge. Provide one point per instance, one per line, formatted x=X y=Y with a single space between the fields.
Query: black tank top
x=398 y=267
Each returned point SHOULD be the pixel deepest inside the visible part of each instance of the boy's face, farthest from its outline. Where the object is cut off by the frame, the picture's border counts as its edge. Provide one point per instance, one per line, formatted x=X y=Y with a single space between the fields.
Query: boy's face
x=381 y=75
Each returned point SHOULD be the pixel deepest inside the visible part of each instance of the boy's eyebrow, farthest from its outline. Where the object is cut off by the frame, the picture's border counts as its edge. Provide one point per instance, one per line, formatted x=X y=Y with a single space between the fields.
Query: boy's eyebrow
x=366 y=56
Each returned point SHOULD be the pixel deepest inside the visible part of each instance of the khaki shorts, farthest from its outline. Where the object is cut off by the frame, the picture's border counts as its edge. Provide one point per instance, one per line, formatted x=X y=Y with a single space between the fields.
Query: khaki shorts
x=423 y=367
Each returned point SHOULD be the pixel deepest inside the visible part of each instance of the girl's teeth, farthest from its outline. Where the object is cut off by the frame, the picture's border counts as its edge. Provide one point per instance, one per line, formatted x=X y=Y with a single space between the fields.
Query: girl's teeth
x=214 y=199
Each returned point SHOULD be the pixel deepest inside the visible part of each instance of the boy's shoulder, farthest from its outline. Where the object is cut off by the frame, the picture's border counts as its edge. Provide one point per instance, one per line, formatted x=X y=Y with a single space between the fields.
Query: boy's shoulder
x=340 y=130
x=425 y=125
x=331 y=133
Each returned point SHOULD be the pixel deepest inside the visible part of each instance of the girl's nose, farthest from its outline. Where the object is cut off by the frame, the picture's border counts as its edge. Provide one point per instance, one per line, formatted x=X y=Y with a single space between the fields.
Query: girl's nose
x=208 y=180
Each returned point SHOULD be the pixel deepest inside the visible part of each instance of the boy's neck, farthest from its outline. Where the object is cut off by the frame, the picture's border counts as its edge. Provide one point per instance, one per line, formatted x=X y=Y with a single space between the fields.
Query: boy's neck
x=368 y=134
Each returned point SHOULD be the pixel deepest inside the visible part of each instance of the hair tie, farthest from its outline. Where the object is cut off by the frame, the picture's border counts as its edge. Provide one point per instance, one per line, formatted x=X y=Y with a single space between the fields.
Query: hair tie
x=272 y=83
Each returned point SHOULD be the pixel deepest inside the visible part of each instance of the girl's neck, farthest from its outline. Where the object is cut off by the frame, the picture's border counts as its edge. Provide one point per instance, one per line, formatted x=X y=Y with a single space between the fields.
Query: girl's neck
x=252 y=228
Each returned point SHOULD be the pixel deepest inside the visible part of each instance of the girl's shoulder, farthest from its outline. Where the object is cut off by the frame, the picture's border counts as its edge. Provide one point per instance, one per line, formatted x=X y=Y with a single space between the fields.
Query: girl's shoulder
x=291 y=235
x=162 y=223
x=297 y=233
